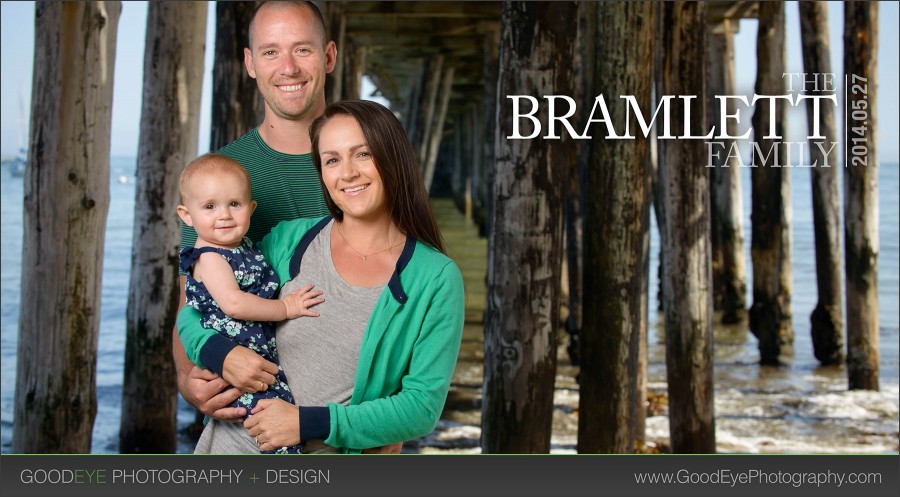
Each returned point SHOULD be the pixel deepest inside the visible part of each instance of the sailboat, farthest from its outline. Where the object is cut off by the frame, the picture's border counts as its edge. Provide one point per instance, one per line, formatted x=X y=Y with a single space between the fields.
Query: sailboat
x=17 y=164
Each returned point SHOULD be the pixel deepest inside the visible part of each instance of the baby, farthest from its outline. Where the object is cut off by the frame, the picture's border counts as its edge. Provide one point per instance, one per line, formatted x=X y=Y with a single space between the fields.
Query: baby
x=228 y=279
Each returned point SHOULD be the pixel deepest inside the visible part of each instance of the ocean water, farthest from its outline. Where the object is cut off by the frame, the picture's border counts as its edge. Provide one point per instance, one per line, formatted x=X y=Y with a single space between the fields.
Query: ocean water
x=800 y=407
x=114 y=299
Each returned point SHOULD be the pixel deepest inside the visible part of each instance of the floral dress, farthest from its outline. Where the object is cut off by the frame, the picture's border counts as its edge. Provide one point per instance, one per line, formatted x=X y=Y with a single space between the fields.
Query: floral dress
x=253 y=275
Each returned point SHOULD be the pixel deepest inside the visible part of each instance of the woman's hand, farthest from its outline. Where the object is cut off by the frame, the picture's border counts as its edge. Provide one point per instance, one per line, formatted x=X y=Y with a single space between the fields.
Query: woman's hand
x=274 y=424
x=205 y=390
x=247 y=371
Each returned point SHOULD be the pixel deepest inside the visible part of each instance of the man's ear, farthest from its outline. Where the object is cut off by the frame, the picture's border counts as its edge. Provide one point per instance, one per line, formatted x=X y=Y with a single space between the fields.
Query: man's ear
x=330 y=56
x=185 y=215
x=248 y=63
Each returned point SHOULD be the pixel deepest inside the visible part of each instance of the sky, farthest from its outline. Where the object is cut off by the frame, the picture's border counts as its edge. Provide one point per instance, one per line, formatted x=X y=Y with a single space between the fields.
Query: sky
x=17 y=52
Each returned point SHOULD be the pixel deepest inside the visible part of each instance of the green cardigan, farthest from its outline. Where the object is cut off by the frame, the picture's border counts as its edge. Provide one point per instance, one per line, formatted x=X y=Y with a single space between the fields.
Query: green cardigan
x=409 y=349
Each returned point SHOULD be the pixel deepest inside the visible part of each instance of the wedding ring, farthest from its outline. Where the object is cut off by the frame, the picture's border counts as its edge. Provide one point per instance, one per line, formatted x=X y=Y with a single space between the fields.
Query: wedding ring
x=262 y=385
x=257 y=441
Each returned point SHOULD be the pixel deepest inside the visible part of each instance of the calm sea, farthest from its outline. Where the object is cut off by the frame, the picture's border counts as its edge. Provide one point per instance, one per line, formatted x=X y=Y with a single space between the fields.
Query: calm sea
x=807 y=397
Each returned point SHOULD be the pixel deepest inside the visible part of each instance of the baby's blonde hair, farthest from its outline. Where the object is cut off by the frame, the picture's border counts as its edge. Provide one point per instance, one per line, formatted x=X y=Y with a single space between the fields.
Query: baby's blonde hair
x=211 y=164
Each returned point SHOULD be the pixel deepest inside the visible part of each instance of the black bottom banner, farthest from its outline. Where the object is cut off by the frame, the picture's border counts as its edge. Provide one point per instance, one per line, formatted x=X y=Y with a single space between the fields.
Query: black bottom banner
x=450 y=475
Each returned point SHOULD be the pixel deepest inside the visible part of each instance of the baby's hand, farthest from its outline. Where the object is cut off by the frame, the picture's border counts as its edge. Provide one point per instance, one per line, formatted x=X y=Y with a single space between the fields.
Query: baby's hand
x=298 y=303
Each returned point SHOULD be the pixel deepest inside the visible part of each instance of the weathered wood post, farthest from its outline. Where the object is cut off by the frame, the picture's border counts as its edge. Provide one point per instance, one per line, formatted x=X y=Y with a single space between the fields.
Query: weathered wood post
x=685 y=235
x=170 y=121
x=65 y=207
x=525 y=244
x=236 y=103
x=861 y=193
x=475 y=131
x=827 y=317
x=585 y=70
x=460 y=164
x=729 y=269
x=354 y=70
x=435 y=66
x=483 y=190
x=411 y=109
x=479 y=184
x=470 y=159
x=614 y=226
x=640 y=399
x=770 y=241
x=436 y=130
x=336 y=22
x=656 y=179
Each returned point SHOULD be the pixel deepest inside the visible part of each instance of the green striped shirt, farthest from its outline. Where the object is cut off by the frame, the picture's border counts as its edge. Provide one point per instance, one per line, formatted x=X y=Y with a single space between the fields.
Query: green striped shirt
x=285 y=186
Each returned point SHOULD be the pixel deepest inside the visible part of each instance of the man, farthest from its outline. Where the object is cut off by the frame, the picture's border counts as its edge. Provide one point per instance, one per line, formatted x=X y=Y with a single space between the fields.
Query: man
x=289 y=56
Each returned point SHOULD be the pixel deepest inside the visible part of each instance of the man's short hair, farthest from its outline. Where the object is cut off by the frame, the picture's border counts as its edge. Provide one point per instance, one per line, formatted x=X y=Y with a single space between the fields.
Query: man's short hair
x=313 y=5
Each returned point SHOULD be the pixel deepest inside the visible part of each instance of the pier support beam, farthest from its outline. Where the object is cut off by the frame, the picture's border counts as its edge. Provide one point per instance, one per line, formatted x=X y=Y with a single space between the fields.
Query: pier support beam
x=770 y=315
x=436 y=129
x=685 y=237
x=861 y=193
x=525 y=245
x=427 y=107
x=827 y=317
x=170 y=125
x=411 y=109
x=726 y=204
x=615 y=224
x=64 y=222
x=481 y=213
x=236 y=103
x=337 y=31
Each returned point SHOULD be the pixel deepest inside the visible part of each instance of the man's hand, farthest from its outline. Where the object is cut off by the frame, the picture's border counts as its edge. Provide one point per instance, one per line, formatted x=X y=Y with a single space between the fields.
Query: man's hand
x=203 y=389
x=247 y=371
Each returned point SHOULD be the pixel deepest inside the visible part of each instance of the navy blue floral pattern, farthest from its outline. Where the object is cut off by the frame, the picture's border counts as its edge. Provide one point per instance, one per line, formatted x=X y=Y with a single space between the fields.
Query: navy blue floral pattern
x=253 y=275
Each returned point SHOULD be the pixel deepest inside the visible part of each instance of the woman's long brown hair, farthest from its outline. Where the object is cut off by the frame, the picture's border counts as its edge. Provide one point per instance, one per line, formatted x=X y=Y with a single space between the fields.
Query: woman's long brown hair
x=407 y=199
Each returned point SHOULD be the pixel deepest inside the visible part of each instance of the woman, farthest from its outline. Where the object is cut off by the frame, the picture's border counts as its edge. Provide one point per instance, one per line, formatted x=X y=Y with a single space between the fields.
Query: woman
x=374 y=368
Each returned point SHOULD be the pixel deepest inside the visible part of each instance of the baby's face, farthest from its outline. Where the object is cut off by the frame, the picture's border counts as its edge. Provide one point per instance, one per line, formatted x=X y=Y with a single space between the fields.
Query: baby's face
x=219 y=207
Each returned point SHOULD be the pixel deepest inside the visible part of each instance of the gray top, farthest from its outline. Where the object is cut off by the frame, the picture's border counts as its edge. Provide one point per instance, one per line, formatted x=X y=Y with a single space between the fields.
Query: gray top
x=319 y=355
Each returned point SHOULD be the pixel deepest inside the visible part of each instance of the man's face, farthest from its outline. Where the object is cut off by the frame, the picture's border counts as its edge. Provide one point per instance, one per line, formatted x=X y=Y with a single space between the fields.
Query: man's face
x=289 y=59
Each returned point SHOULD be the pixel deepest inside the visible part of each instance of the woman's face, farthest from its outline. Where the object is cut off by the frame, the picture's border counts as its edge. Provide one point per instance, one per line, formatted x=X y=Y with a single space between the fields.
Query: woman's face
x=348 y=169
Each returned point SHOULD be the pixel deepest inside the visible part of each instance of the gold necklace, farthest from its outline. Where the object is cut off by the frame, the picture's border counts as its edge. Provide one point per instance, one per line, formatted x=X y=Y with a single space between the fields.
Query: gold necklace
x=360 y=253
